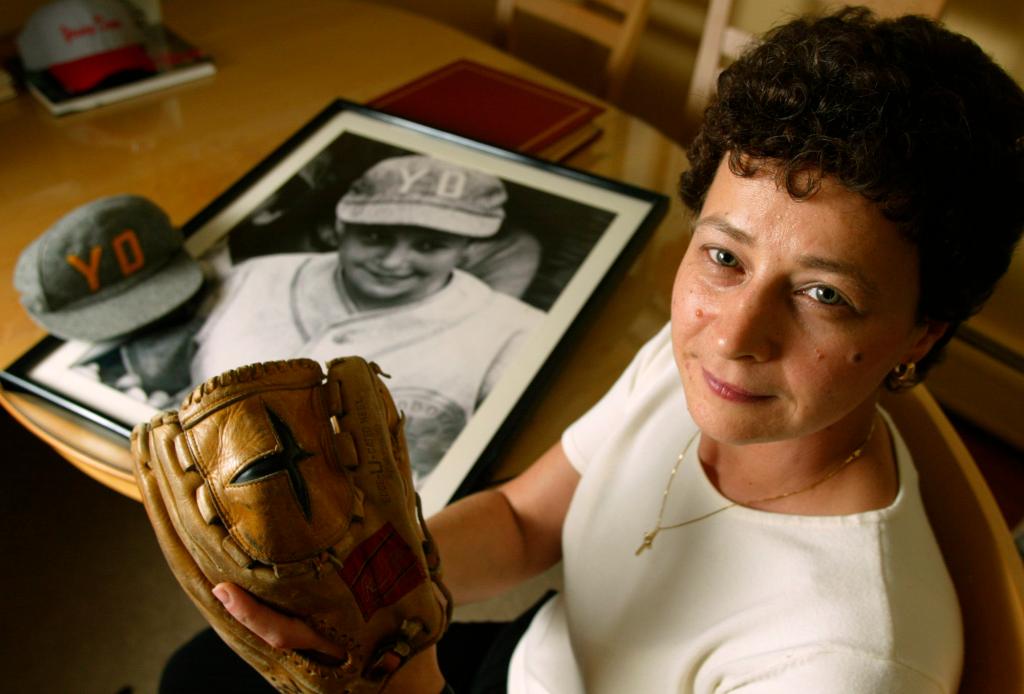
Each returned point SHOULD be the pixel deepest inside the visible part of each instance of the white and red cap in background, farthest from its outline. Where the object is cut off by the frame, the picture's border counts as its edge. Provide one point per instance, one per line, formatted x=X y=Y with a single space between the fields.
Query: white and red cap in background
x=83 y=42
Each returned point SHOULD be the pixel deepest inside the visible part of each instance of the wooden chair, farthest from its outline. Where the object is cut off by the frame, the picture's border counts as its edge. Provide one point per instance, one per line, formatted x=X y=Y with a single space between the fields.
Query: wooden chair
x=977 y=545
x=613 y=24
x=721 y=43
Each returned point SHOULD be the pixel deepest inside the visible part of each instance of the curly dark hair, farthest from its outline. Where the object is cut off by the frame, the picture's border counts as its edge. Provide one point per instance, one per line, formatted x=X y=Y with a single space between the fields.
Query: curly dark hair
x=914 y=117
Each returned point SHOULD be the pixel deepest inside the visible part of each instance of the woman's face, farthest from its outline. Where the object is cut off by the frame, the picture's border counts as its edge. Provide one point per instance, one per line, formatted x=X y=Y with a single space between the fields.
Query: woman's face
x=386 y=265
x=787 y=315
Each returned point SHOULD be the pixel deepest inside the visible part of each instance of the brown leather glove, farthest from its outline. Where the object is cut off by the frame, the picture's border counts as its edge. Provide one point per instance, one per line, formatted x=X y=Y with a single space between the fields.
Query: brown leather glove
x=298 y=489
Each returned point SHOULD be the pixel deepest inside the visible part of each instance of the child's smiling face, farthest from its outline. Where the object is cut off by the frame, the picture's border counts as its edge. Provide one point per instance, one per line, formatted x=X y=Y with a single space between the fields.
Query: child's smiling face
x=386 y=265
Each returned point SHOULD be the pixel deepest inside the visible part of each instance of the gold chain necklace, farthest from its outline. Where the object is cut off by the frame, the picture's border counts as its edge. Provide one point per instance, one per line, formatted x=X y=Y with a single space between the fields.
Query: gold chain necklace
x=658 y=527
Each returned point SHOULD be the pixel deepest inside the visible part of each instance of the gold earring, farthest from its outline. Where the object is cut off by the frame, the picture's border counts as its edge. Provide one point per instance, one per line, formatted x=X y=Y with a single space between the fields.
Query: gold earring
x=904 y=375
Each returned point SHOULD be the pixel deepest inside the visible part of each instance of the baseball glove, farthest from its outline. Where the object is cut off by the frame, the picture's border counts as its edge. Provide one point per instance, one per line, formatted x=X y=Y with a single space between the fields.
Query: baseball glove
x=298 y=489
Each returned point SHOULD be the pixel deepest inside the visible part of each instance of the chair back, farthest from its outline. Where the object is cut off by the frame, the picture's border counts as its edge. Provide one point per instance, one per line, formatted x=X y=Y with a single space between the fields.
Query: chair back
x=613 y=24
x=976 y=544
x=721 y=42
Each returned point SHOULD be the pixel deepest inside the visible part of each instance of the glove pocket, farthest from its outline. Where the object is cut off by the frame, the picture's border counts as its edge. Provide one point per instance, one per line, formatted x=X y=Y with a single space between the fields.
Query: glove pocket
x=265 y=460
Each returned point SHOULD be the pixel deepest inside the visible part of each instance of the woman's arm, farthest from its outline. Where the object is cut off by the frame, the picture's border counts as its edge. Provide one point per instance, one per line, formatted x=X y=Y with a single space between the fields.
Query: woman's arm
x=493 y=540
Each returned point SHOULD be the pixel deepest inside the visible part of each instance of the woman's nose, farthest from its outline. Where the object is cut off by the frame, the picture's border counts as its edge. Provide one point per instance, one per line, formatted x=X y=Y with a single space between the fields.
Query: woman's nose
x=748 y=323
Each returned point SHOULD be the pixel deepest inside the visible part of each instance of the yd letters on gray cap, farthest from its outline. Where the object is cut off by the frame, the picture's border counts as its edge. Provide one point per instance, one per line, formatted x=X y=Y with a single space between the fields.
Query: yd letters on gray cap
x=423 y=191
x=106 y=269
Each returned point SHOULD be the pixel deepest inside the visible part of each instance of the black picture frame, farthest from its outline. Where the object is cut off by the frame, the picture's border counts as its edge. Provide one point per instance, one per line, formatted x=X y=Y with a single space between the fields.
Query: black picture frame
x=576 y=230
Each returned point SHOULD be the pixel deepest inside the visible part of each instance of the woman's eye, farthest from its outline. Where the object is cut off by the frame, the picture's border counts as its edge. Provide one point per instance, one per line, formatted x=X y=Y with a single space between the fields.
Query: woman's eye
x=723 y=257
x=826 y=295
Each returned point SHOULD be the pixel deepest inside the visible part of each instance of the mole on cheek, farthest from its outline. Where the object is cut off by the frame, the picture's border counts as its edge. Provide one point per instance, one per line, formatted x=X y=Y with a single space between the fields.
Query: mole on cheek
x=820 y=354
x=856 y=357
x=699 y=313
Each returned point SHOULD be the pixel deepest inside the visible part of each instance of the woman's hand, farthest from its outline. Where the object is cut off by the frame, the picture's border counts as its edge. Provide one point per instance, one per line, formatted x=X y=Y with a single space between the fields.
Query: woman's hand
x=420 y=674
x=278 y=630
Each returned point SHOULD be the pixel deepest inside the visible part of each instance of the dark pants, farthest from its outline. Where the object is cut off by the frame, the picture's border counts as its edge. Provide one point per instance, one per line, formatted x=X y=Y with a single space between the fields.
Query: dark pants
x=474 y=659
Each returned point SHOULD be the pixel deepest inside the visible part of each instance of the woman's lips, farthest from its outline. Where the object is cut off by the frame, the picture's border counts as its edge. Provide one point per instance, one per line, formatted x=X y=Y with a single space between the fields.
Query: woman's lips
x=728 y=391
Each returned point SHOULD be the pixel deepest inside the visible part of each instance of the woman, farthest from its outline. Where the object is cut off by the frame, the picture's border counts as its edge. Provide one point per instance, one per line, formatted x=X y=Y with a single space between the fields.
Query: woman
x=737 y=514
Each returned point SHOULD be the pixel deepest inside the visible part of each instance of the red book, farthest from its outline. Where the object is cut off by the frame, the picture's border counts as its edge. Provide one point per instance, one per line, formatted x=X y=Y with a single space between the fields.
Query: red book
x=492 y=106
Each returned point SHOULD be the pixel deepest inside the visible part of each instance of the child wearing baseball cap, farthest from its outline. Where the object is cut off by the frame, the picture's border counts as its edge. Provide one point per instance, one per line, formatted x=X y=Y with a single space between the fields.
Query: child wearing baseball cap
x=392 y=292
x=405 y=225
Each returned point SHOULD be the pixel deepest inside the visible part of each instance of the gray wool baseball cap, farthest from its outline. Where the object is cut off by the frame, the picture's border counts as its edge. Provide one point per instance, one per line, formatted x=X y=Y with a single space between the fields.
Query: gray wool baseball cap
x=106 y=269
x=422 y=191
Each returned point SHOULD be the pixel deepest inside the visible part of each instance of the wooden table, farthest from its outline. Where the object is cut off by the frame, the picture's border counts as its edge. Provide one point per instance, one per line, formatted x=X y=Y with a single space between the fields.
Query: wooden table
x=278 y=64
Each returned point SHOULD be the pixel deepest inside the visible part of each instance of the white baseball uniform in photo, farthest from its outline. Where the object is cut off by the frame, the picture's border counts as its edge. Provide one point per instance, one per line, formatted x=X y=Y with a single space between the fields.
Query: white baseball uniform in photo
x=745 y=601
x=443 y=352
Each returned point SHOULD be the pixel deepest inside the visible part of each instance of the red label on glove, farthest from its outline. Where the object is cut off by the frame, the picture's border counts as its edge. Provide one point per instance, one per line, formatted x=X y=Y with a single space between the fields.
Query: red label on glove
x=381 y=570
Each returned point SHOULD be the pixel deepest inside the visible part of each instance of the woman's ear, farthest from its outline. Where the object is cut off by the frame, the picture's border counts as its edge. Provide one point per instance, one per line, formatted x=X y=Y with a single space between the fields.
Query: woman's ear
x=930 y=333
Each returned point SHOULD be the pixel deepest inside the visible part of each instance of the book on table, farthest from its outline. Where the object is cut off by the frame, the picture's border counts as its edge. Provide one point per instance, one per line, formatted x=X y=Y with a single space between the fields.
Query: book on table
x=174 y=59
x=498 y=108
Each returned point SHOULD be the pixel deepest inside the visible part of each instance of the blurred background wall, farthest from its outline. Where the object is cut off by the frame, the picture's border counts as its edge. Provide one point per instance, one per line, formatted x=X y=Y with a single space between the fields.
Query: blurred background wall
x=659 y=79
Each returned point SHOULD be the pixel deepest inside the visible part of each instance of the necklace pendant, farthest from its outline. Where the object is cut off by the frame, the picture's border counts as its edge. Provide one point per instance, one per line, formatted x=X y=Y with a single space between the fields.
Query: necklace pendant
x=648 y=542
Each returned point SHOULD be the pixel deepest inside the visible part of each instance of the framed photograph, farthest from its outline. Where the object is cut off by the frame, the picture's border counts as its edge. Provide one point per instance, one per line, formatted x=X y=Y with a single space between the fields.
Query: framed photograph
x=458 y=267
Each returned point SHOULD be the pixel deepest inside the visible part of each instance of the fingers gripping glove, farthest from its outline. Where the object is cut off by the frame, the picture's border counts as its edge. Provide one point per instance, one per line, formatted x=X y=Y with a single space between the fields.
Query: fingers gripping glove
x=298 y=488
